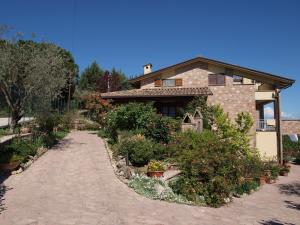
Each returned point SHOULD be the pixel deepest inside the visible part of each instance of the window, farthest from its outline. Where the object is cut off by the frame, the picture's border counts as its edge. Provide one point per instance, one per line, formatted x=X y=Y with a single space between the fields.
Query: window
x=237 y=79
x=216 y=79
x=168 y=110
x=169 y=83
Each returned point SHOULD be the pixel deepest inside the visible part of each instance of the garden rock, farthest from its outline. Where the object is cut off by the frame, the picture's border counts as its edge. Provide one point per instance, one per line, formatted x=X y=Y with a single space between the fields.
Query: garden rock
x=20 y=170
x=121 y=163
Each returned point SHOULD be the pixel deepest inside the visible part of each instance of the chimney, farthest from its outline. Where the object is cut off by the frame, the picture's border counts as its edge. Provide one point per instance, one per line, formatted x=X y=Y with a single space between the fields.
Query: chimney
x=147 y=68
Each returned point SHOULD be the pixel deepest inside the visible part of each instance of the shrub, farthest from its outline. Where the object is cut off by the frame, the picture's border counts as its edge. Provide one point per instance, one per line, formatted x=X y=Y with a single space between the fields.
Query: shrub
x=212 y=166
x=139 y=150
x=98 y=107
x=130 y=116
x=142 y=117
x=161 y=128
x=290 y=149
x=246 y=187
x=47 y=122
x=66 y=121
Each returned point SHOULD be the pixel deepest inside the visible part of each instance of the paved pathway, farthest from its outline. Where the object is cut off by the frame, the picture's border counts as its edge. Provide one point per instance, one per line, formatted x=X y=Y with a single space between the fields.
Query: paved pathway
x=75 y=184
x=5 y=121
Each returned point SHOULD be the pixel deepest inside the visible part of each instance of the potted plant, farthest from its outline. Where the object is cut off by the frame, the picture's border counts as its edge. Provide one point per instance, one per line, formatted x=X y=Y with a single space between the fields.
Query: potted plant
x=262 y=180
x=284 y=171
x=155 y=169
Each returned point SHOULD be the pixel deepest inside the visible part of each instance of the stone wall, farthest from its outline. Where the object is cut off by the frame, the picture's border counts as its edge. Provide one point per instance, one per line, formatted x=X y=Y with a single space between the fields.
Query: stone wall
x=234 y=98
x=290 y=126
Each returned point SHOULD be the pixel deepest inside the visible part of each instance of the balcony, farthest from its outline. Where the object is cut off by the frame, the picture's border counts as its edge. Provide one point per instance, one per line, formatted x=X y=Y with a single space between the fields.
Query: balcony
x=266 y=125
x=264 y=95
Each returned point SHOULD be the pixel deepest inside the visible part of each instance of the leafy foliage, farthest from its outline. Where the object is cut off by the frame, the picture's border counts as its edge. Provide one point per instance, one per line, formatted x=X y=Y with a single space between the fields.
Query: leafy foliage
x=206 y=110
x=147 y=186
x=142 y=117
x=140 y=150
x=290 y=149
x=155 y=166
x=98 y=107
x=25 y=68
x=90 y=77
x=213 y=162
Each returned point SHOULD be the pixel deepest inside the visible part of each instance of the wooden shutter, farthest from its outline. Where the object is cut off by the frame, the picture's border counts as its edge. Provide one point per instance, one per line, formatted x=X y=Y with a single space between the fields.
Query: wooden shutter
x=157 y=83
x=212 y=79
x=220 y=79
x=178 y=82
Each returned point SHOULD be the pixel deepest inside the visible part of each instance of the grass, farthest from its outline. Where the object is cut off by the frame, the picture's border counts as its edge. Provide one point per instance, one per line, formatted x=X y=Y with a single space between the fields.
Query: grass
x=4 y=132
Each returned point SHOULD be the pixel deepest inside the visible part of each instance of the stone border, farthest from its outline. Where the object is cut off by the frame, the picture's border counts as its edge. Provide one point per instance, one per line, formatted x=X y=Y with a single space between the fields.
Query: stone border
x=122 y=172
x=23 y=166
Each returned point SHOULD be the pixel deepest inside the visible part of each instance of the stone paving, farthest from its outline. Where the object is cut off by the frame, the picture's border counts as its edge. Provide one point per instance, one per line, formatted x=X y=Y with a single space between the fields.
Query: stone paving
x=75 y=184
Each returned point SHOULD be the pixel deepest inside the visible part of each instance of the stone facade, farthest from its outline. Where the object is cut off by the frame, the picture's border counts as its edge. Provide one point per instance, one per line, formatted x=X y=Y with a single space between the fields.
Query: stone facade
x=233 y=98
x=290 y=126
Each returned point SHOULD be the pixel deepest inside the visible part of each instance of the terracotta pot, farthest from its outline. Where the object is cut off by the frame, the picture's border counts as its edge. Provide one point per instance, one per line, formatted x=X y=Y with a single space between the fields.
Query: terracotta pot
x=9 y=166
x=262 y=180
x=155 y=173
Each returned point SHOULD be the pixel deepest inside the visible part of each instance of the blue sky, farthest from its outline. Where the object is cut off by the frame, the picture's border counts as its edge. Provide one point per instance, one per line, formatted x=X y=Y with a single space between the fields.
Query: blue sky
x=262 y=34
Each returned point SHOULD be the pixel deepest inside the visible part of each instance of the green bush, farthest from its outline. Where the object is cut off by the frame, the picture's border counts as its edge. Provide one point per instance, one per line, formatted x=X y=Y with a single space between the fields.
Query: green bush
x=65 y=122
x=142 y=117
x=140 y=150
x=212 y=166
x=47 y=122
x=246 y=187
x=290 y=149
x=161 y=128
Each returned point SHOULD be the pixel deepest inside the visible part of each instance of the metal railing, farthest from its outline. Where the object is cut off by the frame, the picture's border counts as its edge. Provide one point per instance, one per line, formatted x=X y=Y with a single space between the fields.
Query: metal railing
x=265 y=125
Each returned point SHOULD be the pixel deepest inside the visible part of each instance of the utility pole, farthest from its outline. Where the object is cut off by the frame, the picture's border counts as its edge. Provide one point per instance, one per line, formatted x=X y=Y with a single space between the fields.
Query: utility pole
x=69 y=92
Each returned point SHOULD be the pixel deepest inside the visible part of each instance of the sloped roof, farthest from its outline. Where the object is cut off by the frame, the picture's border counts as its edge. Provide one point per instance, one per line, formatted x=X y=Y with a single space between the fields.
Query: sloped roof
x=279 y=81
x=158 y=92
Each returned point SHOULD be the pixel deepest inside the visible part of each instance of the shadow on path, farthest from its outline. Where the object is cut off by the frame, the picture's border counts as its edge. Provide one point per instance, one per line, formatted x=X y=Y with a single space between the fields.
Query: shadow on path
x=290 y=188
x=3 y=190
x=292 y=205
x=274 y=222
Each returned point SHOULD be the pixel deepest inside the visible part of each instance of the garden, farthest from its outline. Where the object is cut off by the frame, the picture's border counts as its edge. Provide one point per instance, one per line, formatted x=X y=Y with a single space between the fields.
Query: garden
x=160 y=161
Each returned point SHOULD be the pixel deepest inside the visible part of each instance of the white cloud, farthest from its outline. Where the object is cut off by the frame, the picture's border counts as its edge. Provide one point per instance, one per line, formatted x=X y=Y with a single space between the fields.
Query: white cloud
x=269 y=112
x=286 y=115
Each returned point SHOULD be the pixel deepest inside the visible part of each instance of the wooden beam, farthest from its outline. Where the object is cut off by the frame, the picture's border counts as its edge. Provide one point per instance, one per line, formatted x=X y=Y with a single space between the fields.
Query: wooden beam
x=277 y=111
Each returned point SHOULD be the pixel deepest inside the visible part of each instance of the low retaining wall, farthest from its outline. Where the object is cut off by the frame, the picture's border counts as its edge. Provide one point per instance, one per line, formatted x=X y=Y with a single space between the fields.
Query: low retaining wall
x=290 y=126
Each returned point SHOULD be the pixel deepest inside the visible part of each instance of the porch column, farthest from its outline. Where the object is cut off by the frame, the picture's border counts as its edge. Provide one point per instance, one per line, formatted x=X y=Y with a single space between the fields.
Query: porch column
x=277 y=111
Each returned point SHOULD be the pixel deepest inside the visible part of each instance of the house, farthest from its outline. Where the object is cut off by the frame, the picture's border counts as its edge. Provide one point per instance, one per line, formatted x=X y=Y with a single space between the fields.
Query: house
x=234 y=87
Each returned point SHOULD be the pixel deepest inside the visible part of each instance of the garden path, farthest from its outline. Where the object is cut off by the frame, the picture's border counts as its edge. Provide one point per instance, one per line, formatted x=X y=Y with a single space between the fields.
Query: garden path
x=75 y=184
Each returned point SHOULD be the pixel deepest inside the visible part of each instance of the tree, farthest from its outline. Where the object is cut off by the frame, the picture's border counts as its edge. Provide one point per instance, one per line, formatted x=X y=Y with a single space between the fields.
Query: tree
x=90 y=76
x=31 y=74
x=113 y=81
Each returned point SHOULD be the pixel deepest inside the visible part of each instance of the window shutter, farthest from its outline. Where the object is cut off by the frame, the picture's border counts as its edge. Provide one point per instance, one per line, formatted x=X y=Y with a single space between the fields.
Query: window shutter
x=157 y=83
x=220 y=79
x=178 y=82
x=212 y=79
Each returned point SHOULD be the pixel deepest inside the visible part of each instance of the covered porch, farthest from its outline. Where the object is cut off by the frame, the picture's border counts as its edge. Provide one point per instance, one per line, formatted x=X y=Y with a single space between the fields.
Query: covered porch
x=167 y=101
x=268 y=124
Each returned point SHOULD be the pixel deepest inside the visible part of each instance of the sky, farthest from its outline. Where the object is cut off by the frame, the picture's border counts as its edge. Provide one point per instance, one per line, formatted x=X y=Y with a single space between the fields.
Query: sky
x=259 y=34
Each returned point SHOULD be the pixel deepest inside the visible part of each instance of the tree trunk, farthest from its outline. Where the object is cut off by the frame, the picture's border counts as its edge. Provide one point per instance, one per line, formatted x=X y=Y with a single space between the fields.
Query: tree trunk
x=16 y=115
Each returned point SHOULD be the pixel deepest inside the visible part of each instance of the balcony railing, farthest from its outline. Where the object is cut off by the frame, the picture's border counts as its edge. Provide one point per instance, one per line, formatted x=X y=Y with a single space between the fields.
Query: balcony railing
x=265 y=125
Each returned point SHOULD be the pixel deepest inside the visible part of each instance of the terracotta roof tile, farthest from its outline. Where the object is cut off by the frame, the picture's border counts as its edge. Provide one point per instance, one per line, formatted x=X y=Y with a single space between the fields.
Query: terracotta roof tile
x=158 y=92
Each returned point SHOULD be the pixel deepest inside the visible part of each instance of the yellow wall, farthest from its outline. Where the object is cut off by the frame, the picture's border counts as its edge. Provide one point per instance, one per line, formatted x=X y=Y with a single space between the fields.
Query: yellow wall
x=266 y=143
